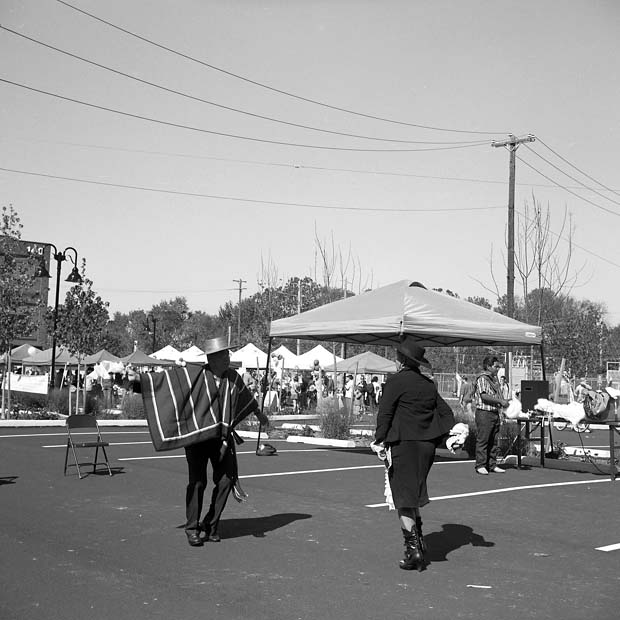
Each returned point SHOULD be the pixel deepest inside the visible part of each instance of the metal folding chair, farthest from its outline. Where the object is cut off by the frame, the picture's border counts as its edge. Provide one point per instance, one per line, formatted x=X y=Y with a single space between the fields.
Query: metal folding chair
x=89 y=423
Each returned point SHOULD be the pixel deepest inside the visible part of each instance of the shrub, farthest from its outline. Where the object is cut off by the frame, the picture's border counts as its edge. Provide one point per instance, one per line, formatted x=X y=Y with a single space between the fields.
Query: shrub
x=58 y=400
x=132 y=407
x=334 y=420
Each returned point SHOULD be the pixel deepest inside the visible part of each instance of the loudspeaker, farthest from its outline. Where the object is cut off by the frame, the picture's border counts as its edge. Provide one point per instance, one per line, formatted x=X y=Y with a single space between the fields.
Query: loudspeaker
x=531 y=391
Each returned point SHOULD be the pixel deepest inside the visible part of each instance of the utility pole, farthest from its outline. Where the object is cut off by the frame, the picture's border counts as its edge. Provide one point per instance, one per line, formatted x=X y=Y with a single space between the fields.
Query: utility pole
x=298 y=312
x=241 y=283
x=512 y=144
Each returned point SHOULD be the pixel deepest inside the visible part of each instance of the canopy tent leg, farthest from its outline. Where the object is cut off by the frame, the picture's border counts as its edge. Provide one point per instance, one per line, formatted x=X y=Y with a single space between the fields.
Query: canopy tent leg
x=263 y=388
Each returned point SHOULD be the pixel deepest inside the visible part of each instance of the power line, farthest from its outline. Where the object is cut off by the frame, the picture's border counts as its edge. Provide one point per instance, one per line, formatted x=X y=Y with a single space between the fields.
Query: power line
x=570 y=177
x=222 y=106
x=273 y=203
x=568 y=190
x=291 y=165
x=266 y=86
x=229 y=135
x=579 y=169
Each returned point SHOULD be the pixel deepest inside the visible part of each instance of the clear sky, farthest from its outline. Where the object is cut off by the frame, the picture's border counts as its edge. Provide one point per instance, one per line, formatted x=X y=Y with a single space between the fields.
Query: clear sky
x=213 y=206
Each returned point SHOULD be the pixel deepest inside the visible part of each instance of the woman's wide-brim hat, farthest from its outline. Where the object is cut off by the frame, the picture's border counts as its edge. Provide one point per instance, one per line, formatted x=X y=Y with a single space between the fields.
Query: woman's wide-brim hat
x=215 y=345
x=411 y=349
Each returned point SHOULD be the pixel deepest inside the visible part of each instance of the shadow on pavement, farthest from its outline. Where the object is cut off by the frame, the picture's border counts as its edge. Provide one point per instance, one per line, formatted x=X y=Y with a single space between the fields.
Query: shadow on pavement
x=8 y=479
x=451 y=538
x=259 y=526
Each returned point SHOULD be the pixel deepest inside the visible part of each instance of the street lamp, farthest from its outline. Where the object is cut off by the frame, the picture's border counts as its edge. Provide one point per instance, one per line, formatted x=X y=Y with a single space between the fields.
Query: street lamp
x=74 y=277
x=148 y=328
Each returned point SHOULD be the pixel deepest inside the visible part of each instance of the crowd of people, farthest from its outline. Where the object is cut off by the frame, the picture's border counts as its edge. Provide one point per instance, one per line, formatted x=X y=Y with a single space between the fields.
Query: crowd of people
x=300 y=390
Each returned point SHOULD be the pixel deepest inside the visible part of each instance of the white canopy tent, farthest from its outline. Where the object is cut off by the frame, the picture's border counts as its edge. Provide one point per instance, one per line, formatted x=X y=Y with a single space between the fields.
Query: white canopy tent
x=167 y=353
x=320 y=353
x=381 y=316
x=193 y=355
x=249 y=356
x=290 y=359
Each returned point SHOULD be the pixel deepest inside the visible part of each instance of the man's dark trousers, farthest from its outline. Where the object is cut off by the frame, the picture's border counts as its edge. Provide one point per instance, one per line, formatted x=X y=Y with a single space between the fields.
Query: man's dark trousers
x=487 y=429
x=224 y=472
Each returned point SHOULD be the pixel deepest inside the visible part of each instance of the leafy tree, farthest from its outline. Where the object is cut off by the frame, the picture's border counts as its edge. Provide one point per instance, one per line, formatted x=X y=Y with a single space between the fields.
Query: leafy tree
x=81 y=320
x=17 y=306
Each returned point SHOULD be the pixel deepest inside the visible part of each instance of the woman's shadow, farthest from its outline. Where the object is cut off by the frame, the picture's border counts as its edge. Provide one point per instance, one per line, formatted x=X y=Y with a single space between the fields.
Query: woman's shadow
x=452 y=537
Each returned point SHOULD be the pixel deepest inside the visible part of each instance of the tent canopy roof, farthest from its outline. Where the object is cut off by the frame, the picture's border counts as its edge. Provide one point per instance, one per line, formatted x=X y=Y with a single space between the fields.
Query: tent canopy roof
x=139 y=358
x=249 y=356
x=367 y=362
x=381 y=316
x=101 y=356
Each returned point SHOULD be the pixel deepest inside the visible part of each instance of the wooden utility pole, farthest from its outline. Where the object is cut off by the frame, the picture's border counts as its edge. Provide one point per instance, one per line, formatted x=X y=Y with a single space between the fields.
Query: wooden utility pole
x=241 y=283
x=512 y=144
x=298 y=312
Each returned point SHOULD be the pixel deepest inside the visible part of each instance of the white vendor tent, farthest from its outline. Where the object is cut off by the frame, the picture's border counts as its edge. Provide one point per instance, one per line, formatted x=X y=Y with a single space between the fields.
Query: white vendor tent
x=167 y=353
x=193 y=355
x=290 y=359
x=249 y=356
x=320 y=353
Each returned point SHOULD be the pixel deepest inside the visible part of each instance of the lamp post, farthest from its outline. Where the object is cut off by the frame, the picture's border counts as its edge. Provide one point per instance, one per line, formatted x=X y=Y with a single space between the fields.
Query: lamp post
x=148 y=328
x=74 y=277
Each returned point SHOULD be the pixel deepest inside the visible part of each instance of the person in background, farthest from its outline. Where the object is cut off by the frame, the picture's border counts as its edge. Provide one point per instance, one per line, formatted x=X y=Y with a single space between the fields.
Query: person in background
x=412 y=422
x=466 y=398
x=489 y=401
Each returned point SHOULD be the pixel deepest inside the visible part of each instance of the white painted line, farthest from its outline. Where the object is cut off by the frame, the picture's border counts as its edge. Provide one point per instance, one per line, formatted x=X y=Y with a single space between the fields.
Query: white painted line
x=112 y=443
x=310 y=471
x=179 y=456
x=615 y=547
x=106 y=433
x=506 y=490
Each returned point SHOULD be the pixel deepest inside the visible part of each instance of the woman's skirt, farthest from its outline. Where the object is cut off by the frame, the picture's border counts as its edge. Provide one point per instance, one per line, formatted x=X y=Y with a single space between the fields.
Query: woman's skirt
x=411 y=462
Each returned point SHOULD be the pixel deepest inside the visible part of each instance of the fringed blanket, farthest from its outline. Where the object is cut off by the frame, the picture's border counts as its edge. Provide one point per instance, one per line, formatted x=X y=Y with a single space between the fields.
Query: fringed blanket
x=184 y=405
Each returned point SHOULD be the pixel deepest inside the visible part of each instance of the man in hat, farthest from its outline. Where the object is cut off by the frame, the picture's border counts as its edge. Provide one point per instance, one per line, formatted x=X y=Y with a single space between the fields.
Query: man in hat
x=204 y=403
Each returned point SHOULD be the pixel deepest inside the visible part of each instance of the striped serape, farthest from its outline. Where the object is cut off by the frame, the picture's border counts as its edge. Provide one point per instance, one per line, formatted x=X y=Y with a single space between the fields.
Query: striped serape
x=184 y=405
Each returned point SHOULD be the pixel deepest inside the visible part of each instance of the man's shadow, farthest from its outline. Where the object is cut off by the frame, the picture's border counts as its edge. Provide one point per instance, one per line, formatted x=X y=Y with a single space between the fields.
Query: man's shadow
x=451 y=538
x=258 y=526
x=8 y=479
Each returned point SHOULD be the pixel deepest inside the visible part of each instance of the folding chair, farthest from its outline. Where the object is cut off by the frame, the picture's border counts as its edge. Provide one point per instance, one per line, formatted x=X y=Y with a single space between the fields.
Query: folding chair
x=85 y=422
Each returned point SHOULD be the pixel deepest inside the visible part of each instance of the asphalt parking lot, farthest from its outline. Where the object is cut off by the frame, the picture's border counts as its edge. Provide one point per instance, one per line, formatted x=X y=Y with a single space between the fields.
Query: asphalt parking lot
x=314 y=539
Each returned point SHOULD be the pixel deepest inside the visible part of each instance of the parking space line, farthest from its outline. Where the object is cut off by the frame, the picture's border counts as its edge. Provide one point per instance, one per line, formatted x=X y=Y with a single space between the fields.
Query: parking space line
x=182 y=456
x=614 y=547
x=505 y=490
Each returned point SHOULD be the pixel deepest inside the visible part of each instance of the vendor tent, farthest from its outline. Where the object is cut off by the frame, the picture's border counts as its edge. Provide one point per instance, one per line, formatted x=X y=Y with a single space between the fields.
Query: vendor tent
x=290 y=359
x=250 y=356
x=139 y=358
x=19 y=353
x=367 y=362
x=167 y=353
x=320 y=353
x=44 y=358
x=100 y=356
x=193 y=355
x=381 y=316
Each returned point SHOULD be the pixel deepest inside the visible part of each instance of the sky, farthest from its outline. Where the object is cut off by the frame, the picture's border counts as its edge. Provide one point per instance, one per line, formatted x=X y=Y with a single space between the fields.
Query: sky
x=255 y=132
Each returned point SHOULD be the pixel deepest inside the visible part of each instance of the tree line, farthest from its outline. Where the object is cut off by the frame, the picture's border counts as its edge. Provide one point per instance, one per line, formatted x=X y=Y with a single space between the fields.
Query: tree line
x=573 y=330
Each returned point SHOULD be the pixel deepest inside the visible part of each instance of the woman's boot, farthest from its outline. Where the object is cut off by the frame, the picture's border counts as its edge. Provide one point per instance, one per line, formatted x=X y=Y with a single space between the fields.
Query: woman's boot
x=414 y=557
x=418 y=529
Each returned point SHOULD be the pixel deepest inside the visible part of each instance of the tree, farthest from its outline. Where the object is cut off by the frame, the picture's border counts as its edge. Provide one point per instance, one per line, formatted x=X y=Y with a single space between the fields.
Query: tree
x=82 y=320
x=17 y=305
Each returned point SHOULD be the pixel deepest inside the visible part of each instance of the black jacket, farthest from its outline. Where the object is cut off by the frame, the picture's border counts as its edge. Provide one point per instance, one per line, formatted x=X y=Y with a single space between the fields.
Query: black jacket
x=411 y=408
